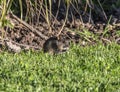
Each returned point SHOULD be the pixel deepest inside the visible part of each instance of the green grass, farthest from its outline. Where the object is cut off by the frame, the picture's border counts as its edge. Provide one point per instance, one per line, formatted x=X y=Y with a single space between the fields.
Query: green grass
x=81 y=69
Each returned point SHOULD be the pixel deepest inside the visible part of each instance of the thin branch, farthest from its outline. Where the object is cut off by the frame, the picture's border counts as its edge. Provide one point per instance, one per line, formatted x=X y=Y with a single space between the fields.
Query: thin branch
x=29 y=27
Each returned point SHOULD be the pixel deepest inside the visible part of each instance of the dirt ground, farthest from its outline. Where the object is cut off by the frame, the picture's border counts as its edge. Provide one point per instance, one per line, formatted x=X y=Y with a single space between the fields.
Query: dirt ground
x=25 y=36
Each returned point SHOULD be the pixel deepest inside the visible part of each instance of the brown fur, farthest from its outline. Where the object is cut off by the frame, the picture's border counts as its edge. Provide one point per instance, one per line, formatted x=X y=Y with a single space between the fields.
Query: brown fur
x=55 y=46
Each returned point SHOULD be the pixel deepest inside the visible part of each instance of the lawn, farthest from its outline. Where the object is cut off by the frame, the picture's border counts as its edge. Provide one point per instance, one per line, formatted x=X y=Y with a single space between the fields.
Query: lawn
x=81 y=69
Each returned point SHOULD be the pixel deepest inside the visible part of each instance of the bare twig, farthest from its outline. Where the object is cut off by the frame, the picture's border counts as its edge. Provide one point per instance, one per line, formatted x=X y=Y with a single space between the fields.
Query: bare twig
x=29 y=27
x=107 y=40
x=18 y=44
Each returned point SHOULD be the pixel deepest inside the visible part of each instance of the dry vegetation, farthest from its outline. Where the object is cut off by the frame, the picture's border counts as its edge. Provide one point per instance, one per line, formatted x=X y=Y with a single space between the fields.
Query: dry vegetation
x=27 y=24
